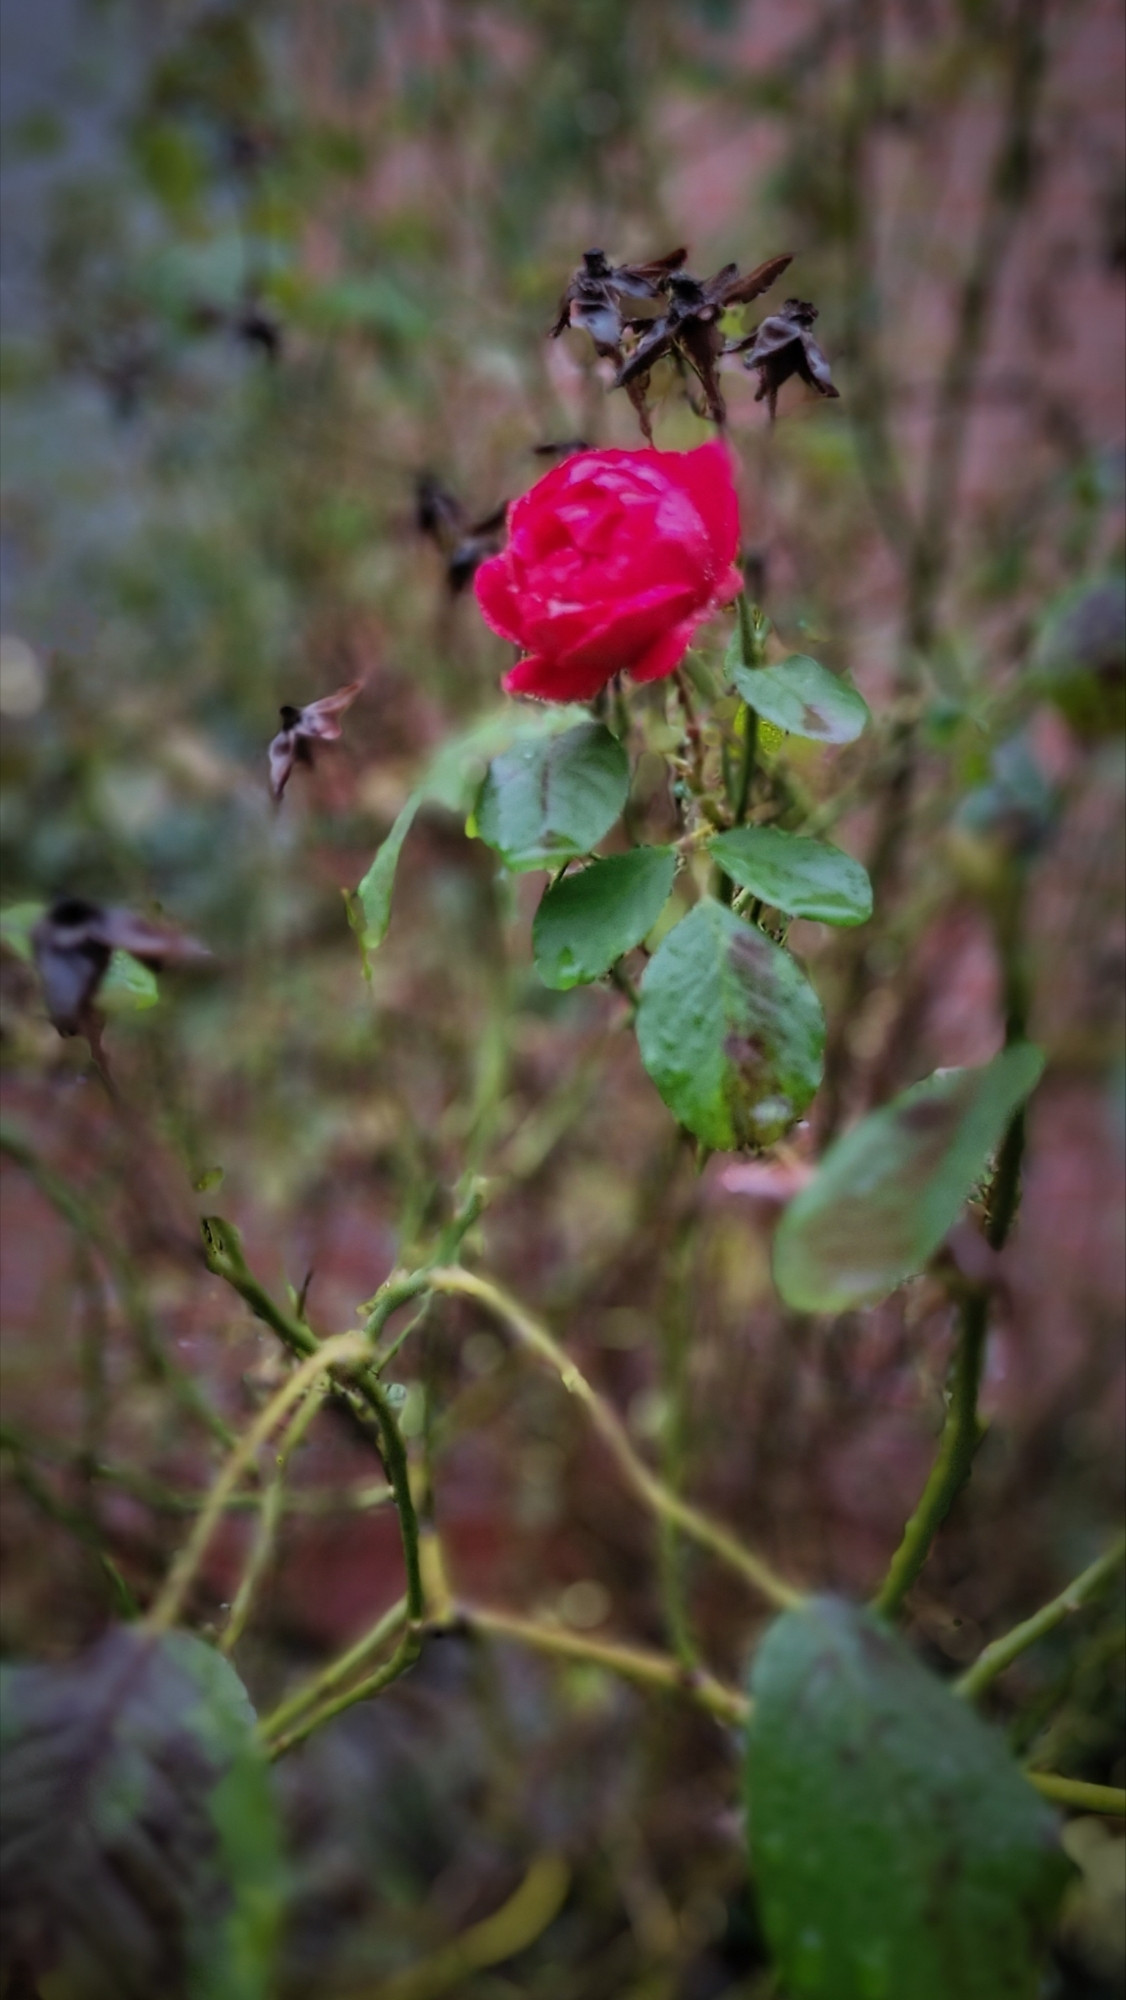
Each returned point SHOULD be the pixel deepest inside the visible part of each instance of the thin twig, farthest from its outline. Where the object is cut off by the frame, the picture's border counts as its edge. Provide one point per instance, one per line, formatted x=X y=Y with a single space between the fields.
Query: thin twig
x=961 y=1435
x=329 y=1679
x=1077 y=1792
x=342 y=1350
x=1001 y=1653
x=403 y=1658
x=698 y=1526
x=269 y=1519
x=657 y=1671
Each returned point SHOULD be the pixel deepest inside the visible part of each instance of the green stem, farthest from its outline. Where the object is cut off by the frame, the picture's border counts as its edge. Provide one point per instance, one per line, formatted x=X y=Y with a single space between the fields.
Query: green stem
x=269 y=1519
x=394 y=1456
x=1078 y=1793
x=962 y=1431
x=343 y=1349
x=1000 y=1653
x=384 y=1359
x=747 y=767
x=625 y=985
x=329 y=1678
x=223 y=1255
x=961 y=1436
x=403 y=1658
x=653 y=1670
x=655 y=1494
x=754 y=630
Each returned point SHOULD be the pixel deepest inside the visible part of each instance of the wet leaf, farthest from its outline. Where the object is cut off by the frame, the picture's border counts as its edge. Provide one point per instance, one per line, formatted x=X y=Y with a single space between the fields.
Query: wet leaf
x=80 y=953
x=452 y=780
x=805 y=878
x=730 y=1030
x=16 y=925
x=896 y=1847
x=586 y=921
x=543 y=802
x=886 y=1194
x=138 y=1830
x=128 y=986
x=801 y=697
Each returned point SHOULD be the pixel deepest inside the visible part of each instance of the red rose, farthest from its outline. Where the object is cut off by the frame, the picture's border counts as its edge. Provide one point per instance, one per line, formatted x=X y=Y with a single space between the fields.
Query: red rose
x=612 y=561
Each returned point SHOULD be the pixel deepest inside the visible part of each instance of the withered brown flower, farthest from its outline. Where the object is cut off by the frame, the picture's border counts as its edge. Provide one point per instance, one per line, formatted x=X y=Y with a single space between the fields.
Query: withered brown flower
x=596 y=287
x=690 y=330
x=73 y=943
x=783 y=346
x=464 y=544
x=301 y=728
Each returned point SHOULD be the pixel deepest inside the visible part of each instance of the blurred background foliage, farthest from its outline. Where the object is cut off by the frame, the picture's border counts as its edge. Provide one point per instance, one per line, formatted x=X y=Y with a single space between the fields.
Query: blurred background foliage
x=263 y=266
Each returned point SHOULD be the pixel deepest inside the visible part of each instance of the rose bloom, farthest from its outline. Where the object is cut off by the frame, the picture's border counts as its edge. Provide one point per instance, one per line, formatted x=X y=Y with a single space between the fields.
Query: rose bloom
x=612 y=562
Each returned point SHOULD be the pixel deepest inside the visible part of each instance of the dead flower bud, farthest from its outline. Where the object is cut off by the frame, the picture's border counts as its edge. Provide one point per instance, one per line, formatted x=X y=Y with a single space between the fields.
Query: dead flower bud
x=301 y=728
x=690 y=331
x=73 y=943
x=783 y=346
x=465 y=544
x=595 y=289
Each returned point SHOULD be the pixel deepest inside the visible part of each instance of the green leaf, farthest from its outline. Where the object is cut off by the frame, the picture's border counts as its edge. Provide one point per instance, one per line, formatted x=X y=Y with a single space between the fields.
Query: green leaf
x=137 y=1823
x=729 y=1029
x=16 y=925
x=128 y=986
x=886 y=1194
x=806 y=878
x=586 y=921
x=896 y=1847
x=452 y=779
x=545 y=802
x=373 y=893
x=801 y=697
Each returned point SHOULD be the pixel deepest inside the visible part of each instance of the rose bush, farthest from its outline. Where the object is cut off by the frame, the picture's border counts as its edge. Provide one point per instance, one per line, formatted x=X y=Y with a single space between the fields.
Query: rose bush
x=612 y=562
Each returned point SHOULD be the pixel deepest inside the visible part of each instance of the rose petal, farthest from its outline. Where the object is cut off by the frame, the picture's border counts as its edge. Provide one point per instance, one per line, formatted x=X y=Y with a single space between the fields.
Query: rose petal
x=728 y=588
x=706 y=474
x=666 y=653
x=614 y=558
x=500 y=604
x=550 y=680
x=614 y=633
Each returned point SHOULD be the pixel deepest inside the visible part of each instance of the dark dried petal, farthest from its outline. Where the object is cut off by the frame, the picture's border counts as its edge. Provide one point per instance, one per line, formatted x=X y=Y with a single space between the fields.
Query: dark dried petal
x=301 y=728
x=72 y=962
x=438 y=512
x=597 y=280
x=491 y=523
x=283 y=755
x=690 y=330
x=73 y=943
x=640 y=281
x=816 y=370
x=754 y=284
x=652 y=345
x=598 y=314
x=701 y=344
x=783 y=346
x=152 y=944
x=467 y=558
x=637 y=391
x=317 y=720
